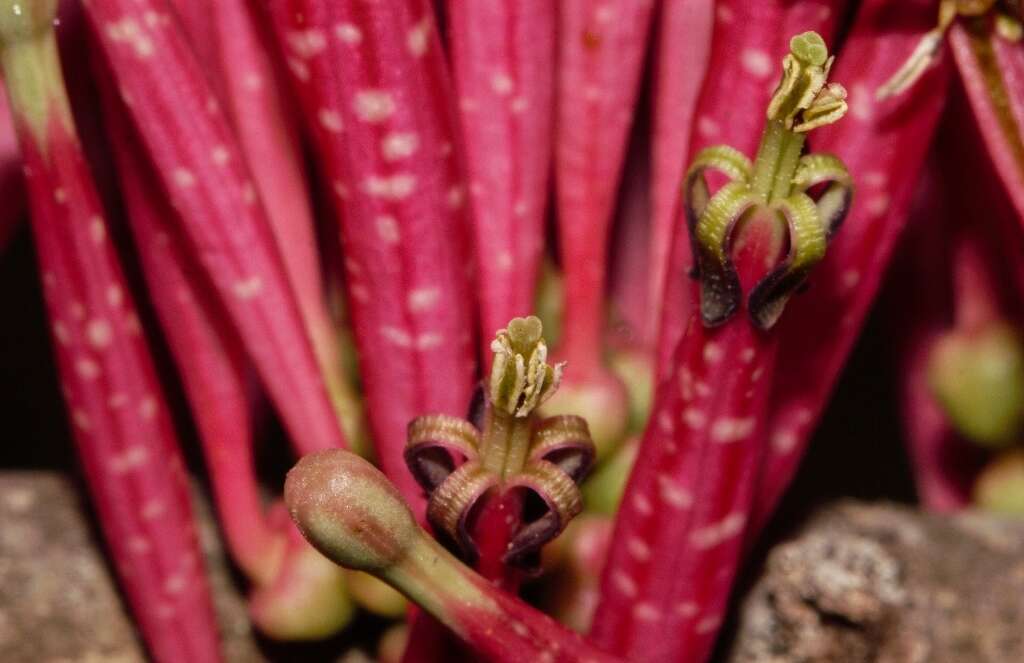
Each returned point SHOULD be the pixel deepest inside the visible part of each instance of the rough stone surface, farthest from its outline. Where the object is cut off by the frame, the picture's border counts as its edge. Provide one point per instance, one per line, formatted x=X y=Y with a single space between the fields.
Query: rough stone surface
x=888 y=584
x=58 y=602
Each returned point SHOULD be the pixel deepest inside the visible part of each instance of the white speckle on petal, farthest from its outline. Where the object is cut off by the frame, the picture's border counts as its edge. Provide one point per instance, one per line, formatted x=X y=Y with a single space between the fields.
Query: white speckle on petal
x=373 y=105
x=501 y=83
x=642 y=505
x=348 y=33
x=340 y=189
x=60 y=195
x=725 y=14
x=81 y=419
x=638 y=549
x=127 y=31
x=298 y=69
x=860 y=101
x=87 y=369
x=99 y=333
x=115 y=295
x=694 y=418
x=399 y=145
x=397 y=336
x=686 y=609
x=428 y=340
x=249 y=193
x=756 y=63
x=148 y=407
x=783 y=441
x=713 y=352
x=152 y=509
x=665 y=422
x=592 y=93
x=418 y=39
x=252 y=81
x=673 y=494
x=306 y=43
x=504 y=261
x=395 y=187
x=183 y=177
x=248 y=288
x=604 y=14
x=624 y=583
x=138 y=545
x=708 y=624
x=220 y=155
x=707 y=127
x=875 y=179
x=387 y=229
x=728 y=429
x=175 y=584
x=850 y=278
x=716 y=533
x=330 y=120
x=131 y=458
x=117 y=400
x=646 y=612
x=456 y=196
x=423 y=299
x=60 y=332
x=878 y=205
x=519 y=105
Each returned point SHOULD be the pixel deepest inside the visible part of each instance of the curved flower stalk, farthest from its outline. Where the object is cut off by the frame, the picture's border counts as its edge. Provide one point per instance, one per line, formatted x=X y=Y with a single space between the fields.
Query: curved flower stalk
x=985 y=37
x=351 y=513
x=228 y=37
x=201 y=168
x=757 y=29
x=884 y=144
x=962 y=389
x=944 y=467
x=122 y=428
x=480 y=480
x=12 y=186
x=373 y=87
x=601 y=51
x=503 y=56
x=268 y=133
x=683 y=51
x=297 y=594
x=700 y=456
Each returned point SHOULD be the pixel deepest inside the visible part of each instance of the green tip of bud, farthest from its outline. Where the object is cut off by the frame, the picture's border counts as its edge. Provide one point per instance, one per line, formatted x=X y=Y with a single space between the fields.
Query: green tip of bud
x=1000 y=488
x=978 y=378
x=24 y=18
x=636 y=371
x=809 y=47
x=602 y=492
x=521 y=379
x=306 y=601
x=376 y=596
x=349 y=511
x=601 y=400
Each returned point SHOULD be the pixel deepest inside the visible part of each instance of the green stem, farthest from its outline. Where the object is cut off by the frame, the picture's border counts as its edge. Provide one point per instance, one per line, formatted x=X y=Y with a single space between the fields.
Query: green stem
x=32 y=70
x=776 y=162
x=505 y=443
x=432 y=579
